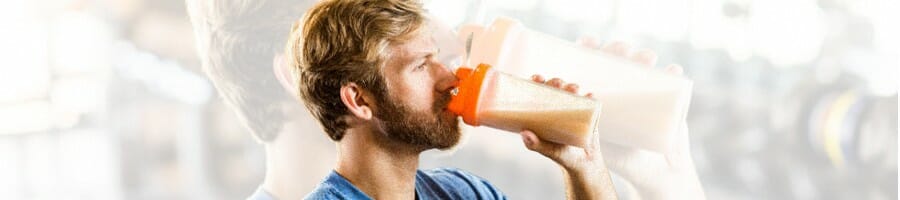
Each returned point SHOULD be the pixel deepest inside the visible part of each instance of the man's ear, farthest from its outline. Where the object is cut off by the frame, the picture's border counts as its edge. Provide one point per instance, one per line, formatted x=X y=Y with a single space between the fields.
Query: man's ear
x=352 y=96
x=285 y=74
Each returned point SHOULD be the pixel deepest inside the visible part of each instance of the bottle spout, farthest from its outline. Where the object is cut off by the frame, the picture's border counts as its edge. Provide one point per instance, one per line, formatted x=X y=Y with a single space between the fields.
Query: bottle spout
x=464 y=101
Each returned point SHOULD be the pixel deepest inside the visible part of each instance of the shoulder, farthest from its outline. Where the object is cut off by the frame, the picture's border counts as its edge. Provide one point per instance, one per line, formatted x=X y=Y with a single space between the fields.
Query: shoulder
x=455 y=184
x=445 y=174
x=336 y=186
x=325 y=193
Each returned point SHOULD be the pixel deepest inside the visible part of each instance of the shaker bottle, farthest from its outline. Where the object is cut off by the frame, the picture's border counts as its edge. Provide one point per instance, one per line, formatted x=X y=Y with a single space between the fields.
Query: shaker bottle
x=642 y=107
x=488 y=97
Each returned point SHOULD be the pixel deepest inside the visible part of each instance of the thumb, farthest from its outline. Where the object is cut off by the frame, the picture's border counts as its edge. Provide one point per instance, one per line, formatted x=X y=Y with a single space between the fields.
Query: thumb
x=533 y=143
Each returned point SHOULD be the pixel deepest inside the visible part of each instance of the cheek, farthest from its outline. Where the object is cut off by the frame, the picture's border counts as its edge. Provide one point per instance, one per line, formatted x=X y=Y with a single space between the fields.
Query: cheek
x=419 y=93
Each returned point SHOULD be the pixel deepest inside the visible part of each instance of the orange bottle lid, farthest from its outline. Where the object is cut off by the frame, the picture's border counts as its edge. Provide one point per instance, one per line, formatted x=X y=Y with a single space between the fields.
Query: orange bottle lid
x=465 y=102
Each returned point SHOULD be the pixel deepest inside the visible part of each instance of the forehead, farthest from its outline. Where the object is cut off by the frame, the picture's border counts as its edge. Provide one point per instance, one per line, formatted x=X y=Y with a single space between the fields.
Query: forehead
x=419 y=45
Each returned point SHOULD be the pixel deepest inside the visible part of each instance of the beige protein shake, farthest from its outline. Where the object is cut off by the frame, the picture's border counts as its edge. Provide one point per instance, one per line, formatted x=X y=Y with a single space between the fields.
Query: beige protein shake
x=498 y=100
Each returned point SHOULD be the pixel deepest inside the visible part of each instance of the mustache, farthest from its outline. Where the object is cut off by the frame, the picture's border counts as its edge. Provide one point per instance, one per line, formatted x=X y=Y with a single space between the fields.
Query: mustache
x=443 y=99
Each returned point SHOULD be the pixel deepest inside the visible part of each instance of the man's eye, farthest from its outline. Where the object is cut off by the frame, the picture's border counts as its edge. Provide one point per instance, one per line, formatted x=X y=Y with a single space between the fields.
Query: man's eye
x=420 y=67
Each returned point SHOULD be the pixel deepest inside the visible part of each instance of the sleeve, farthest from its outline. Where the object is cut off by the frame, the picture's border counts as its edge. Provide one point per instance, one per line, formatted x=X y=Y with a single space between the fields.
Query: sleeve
x=459 y=183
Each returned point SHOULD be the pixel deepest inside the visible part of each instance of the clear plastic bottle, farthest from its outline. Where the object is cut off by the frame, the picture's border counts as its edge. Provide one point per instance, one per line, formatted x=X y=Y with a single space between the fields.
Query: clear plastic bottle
x=499 y=100
x=641 y=107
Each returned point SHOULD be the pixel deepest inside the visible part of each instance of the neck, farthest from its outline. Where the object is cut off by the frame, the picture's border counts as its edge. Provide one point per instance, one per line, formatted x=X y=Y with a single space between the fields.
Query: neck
x=381 y=169
x=279 y=173
x=288 y=167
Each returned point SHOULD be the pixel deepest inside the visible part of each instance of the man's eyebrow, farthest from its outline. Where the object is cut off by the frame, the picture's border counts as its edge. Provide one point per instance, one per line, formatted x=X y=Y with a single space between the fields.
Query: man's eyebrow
x=421 y=55
x=426 y=52
x=418 y=56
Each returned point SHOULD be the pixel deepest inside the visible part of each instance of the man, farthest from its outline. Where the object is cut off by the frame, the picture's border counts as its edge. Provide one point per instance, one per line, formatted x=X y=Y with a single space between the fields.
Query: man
x=239 y=43
x=237 y=39
x=368 y=73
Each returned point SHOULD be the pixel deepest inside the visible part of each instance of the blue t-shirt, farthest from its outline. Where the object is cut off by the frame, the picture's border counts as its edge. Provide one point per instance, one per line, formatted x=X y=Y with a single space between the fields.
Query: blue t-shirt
x=441 y=183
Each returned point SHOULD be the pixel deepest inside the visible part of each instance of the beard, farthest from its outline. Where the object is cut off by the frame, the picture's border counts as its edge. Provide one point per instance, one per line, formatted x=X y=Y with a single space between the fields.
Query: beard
x=419 y=129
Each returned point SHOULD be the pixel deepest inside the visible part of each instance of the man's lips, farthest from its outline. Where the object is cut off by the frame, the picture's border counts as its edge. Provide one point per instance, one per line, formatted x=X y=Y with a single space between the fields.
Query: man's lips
x=447 y=112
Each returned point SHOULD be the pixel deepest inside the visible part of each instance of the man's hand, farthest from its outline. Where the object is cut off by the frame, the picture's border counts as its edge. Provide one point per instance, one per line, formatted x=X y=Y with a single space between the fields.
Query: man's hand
x=586 y=174
x=654 y=175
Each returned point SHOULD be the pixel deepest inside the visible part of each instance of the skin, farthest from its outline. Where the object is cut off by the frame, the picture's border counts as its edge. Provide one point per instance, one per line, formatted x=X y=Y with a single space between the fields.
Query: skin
x=386 y=170
x=651 y=175
x=586 y=174
x=586 y=178
x=288 y=157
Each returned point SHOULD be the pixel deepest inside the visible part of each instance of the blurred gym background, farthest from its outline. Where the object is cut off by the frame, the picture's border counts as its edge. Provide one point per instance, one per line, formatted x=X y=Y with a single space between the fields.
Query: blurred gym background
x=793 y=99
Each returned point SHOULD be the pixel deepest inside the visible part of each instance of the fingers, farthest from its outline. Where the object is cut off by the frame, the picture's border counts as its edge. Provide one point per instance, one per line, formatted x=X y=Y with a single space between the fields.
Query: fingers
x=557 y=83
x=645 y=57
x=533 y=143
x=538 y=78
x=616 y=48
x=529 y=139
x=571 y=87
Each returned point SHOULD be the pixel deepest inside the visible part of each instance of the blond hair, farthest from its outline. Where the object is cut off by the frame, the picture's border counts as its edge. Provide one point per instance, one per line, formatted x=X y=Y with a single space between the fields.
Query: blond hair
x=346 y=41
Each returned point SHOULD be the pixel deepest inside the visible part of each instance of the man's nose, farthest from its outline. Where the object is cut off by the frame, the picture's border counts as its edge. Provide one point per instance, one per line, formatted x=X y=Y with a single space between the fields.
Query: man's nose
x=446 y=78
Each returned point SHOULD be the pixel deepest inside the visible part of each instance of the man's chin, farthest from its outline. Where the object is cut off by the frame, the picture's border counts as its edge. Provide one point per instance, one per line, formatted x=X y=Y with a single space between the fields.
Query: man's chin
x=447 y=148
x=451 y=139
